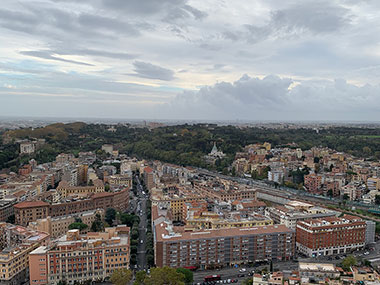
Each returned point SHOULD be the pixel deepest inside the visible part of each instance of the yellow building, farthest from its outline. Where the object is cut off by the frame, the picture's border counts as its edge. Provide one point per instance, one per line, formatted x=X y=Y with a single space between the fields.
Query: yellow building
x=66 y=190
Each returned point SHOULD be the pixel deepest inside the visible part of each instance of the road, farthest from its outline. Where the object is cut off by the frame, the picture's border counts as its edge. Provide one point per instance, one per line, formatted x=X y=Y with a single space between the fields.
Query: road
x=141 y=211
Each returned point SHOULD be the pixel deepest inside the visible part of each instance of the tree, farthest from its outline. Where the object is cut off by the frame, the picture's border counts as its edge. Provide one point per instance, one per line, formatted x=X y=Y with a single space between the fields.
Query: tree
x=110 y=216
x=189 y=278
x=78 y=225
x=271 y=266
x=164 y=276
x=150 y=259
x=121 y=276
x=330 y=193
x=366 y=262
x=11 y=219
x=97 y=225
x=133 y=249
x=345 y=197
x=248 y=281
x=377 y=199
x=140 y=277
x=348 y=262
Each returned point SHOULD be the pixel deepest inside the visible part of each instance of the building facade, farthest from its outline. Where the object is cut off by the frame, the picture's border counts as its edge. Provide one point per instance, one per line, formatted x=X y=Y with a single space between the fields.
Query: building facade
x=80 y=258
x=330 y=235
x=16 y=243
x=58 y=226
x=222 y=247
x=31 y=211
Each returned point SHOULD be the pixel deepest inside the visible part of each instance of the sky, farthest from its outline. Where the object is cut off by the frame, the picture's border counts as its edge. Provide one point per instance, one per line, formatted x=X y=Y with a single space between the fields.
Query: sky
x=191 y=59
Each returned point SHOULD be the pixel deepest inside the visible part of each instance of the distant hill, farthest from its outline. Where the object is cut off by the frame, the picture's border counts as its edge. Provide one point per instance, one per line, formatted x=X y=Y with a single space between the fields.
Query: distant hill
x=58 y=131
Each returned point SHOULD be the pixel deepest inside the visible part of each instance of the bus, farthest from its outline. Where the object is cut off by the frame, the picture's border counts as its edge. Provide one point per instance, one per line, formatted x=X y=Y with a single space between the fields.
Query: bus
x=192 y=268
x=212 y=278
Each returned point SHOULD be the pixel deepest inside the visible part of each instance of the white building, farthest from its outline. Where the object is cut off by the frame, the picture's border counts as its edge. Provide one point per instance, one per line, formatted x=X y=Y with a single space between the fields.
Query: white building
x=27 y=147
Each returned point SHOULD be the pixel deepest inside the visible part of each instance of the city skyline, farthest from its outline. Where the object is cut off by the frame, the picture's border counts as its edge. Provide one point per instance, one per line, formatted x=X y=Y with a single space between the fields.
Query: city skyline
x=186 y=60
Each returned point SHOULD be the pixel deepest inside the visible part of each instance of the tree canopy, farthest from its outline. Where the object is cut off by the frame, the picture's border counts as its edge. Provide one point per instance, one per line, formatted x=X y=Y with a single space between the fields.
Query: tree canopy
x=164 y=276
x=121 y=276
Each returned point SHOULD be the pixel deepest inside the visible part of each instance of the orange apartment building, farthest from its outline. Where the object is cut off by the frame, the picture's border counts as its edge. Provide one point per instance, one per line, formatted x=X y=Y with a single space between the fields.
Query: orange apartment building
x=330 y=235
x=80 y=258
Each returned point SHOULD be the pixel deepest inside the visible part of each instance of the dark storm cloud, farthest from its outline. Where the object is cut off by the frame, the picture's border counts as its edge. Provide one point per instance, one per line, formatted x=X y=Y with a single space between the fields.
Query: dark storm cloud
x=151 y=71
x=49 y=56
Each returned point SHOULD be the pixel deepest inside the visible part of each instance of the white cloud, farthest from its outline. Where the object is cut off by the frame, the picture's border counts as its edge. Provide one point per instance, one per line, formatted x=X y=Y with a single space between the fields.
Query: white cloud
x=115 y=50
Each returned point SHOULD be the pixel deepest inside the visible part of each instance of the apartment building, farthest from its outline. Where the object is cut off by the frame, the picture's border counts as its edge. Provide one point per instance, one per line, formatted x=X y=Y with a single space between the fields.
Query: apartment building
x=6 y=208
x=16 y=243
x=148 y=178
x=317 y=272
x=118 y=179
x=330 y=235
x=221 y=194
x=78 y=258
x=289 y=216
x=58 y=226
x=313 y=183
x=30 y=211
x=65 y=190
x=221 y=247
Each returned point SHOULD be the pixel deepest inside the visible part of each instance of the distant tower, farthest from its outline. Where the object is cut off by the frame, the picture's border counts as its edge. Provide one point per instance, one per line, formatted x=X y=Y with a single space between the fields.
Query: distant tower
x=214 y=149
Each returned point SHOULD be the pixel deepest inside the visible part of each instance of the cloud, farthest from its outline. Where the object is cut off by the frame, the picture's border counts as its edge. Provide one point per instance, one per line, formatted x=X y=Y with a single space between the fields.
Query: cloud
x=319 y=17
x=49 y=56
x=142 y=7
x=115 y=50
x=276 y=98
x=316 y=17
x=151 y=71
x=95 y=53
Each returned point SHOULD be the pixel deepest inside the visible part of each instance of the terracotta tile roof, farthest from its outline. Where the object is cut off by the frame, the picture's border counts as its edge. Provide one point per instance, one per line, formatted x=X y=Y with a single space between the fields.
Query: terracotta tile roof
x=31 y=204
x=148 y=169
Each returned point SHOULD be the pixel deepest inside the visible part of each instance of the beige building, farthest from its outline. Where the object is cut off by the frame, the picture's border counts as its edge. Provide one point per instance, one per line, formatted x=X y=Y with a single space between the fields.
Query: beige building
x=16 y=243
x=66 y=190
x=364 y=273
x=315 y=272
x=27 y=147
x=107 y=148
x=211 y=220
x=118 y=179
x=58 y=226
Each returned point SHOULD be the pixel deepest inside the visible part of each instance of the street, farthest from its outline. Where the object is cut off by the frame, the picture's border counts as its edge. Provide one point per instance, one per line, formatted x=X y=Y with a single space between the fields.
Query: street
x=141 y=212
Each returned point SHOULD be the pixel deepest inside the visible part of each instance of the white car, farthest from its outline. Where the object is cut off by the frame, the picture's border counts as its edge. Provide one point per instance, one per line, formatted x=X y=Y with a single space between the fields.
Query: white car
x=242 y=270
x=141 y=241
